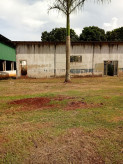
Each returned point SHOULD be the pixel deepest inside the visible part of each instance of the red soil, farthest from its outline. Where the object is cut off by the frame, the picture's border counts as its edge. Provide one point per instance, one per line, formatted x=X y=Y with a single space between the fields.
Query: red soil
x=32 y=103
x=44 y=103
x=80 y=104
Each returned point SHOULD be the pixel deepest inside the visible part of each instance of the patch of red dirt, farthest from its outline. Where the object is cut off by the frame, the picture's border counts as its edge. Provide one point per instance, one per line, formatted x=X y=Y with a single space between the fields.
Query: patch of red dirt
x=32 y=103
x=80 y=104
x=44 y=103
x=60 y=98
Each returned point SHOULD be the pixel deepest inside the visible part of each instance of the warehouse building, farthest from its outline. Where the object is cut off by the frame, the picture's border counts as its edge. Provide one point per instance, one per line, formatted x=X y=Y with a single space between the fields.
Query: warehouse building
x=7 y=58
x=39 y=59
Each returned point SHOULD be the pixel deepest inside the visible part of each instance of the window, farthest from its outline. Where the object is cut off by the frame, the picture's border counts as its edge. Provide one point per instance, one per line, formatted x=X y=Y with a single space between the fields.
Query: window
x=76 y=59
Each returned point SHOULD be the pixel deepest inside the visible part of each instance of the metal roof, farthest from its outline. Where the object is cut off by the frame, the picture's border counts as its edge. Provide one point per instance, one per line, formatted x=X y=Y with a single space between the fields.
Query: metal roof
x=6 y=41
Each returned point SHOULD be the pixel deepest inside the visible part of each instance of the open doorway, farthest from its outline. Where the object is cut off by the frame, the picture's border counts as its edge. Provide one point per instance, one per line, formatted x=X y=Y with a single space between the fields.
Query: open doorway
x=8 y=65
x=23 y=67
x=1 y=65
x=110 y=68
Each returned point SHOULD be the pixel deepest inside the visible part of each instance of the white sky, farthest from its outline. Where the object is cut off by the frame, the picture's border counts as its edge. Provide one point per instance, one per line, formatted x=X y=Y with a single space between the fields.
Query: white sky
x=26 y=19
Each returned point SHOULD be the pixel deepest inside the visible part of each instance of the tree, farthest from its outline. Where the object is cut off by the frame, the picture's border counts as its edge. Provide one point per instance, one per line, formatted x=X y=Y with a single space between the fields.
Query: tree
x=58 y=35
x=67 y=7
x=92 y=33
x=45 y=36
x=115 y=35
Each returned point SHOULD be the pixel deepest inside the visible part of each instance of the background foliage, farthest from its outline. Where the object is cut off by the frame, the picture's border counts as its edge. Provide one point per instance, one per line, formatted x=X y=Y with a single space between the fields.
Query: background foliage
x=91 y=33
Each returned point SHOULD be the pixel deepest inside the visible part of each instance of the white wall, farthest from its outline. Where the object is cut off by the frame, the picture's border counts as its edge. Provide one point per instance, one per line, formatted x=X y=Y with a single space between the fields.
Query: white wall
x=47 y=60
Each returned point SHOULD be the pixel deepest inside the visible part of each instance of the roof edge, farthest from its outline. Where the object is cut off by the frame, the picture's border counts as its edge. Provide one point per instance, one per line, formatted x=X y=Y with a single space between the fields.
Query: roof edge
x=62 y=43
x=6 y=41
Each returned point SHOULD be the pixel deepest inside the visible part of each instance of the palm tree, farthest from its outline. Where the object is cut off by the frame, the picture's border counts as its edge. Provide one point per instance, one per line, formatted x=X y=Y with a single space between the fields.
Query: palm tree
x=67 y=7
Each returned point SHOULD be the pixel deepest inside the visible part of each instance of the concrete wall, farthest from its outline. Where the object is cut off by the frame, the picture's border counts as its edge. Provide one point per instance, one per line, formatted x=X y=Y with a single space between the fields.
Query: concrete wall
x=40 y=60
x=48 y=59
x=85 y=67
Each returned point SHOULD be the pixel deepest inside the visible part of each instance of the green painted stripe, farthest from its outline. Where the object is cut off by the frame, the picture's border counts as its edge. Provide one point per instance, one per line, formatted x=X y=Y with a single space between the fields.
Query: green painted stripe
x=7 y=53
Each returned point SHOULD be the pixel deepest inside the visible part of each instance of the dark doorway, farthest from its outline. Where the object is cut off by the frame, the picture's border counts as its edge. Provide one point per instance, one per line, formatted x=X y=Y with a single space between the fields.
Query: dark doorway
x=8 y=65
x=14 y=65
x=110 y=68
x=23 y=65
x=1 y=65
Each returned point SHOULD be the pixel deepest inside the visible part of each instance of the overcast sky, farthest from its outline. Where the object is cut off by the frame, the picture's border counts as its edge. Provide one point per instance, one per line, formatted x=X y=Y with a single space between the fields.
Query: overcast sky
x=26 y=19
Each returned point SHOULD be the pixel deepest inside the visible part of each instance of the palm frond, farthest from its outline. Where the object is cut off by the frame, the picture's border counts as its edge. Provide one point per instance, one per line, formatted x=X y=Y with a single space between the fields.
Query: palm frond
x=77 y=4
x=57 y=8
x=69 y=6
x=60 y=5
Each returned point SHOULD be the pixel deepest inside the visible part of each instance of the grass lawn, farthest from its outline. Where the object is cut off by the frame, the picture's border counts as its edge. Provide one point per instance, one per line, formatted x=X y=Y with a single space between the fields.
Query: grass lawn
x=47 y=121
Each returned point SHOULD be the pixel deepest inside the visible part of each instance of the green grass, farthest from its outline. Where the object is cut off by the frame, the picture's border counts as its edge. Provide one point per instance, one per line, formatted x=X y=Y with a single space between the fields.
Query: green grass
x=19 y=130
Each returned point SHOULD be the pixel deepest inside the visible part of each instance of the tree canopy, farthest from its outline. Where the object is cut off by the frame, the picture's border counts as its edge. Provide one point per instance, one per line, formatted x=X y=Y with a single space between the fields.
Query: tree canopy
x=92 y=33
x=58 y=34
x=115 y=35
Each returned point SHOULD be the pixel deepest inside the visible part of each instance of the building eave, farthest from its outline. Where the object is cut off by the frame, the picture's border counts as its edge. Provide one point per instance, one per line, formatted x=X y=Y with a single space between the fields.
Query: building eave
x=6 y=41
x=63 y=43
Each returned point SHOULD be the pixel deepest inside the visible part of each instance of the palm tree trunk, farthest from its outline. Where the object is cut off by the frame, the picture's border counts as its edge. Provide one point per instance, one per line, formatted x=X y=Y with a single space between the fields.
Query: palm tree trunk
x=67 y=77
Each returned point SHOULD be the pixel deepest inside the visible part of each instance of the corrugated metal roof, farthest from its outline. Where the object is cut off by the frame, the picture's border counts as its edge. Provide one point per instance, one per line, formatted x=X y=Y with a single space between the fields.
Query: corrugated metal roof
x=7 y=49
x=7 y=52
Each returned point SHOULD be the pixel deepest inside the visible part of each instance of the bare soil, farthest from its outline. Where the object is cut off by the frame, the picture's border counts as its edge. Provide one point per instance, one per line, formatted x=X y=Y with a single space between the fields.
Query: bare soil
x=81 y=104
x=32 y=103
x=44 y=103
